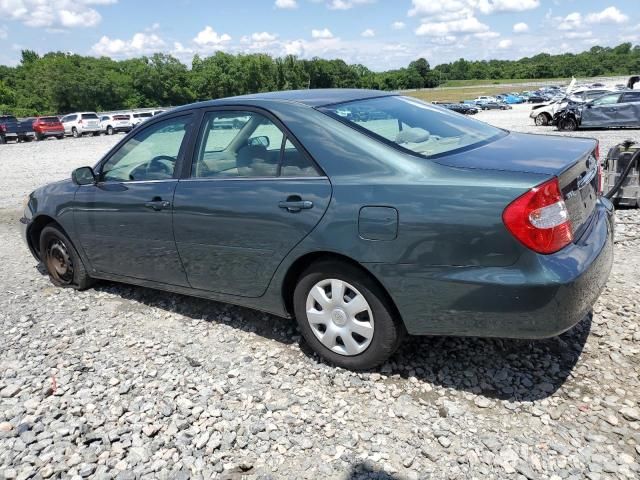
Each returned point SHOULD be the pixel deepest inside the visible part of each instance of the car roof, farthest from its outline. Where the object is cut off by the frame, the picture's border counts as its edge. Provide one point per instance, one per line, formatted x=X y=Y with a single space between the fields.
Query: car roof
x=313 y=98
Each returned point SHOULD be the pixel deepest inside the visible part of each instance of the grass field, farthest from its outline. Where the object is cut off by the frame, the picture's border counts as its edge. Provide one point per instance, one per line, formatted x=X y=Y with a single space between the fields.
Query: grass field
x=457 y=94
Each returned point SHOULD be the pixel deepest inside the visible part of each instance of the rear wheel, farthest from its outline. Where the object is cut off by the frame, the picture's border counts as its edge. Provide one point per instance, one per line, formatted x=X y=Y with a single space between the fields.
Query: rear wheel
x=60 y=137
x=96 y=134
x=344 y=316
x=542 y=120
x=62 y=261
x=75 y=133
x=109 y=130
x=2 y=140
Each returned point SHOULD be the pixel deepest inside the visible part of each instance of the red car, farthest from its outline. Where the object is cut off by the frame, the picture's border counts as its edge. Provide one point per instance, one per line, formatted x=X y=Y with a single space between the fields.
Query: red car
x=48 y=127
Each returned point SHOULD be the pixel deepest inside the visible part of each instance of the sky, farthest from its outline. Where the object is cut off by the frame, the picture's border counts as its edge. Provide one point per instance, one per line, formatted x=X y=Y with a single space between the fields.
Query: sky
x=381 y=34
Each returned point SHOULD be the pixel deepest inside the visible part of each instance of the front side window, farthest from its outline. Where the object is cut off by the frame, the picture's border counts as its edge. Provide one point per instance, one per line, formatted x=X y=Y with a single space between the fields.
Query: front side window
x=413 y=125
x=151 y=154
x=247 y=144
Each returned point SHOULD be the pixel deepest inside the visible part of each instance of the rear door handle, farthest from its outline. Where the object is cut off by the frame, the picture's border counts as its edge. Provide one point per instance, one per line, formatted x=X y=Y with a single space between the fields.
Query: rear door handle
x=157 y=205
x=296 y=205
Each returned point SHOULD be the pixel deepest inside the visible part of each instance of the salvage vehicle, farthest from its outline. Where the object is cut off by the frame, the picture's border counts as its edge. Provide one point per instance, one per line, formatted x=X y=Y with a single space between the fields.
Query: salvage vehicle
x=48 y=127
x=12 y=129
x=423 y=221
x=111 y=124
x=81 y=123
x=613 y=110
x=462 y=108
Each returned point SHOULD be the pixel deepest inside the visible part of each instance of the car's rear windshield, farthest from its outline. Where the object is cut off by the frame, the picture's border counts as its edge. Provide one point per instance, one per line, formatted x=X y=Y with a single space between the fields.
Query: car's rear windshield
x=8 y=118
x=121 y=117
x=413 y=125
x=143 y=115
x=89 y=116
x=49 y=119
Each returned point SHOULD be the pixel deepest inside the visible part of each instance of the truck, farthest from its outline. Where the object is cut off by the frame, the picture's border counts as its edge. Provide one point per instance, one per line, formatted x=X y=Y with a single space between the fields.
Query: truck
x=12 y=129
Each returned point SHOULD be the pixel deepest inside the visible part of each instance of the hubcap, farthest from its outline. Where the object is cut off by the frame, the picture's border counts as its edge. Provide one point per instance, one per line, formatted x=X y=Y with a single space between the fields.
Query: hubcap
x=59 y=262
x=340 y=317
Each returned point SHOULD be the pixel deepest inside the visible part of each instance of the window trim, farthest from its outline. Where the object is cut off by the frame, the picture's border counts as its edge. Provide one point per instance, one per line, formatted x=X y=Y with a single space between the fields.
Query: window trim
x=184 y=147
x=189 y=167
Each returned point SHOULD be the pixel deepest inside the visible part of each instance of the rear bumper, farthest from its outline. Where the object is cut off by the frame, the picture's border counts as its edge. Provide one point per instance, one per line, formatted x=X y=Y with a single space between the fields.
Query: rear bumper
x=51 y=133
x=539 y=296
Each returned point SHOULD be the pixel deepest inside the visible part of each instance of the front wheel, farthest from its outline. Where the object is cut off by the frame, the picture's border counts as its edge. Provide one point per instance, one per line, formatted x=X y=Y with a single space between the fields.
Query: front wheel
x=568 y=124
x=345 y=317
x=542 y=120
x=109 y=130
x=62 y=261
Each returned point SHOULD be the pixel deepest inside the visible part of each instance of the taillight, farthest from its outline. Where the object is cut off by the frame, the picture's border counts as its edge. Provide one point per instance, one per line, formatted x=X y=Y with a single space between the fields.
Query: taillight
x=539 y=219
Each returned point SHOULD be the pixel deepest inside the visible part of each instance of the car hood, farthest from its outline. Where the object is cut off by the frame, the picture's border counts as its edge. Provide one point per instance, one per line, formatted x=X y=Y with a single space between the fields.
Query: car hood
x=521 y=152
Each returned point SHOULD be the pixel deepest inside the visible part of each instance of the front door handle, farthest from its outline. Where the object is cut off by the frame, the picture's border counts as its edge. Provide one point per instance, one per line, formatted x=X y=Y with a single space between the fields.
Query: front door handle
x=294 y=206
x=157 y=205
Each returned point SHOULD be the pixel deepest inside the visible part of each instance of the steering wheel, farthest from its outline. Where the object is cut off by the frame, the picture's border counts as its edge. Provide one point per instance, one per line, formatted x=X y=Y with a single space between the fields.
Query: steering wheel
x=158 y=168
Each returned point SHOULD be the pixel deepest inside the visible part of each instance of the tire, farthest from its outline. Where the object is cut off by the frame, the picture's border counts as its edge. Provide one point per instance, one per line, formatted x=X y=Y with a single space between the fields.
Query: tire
x=109 y=130
x=60 y=137
x=376 y=319
x=568 y=124
x=39 y=137
x=96 y=134
x=61 y=259
x=75 y=133
x=542 y=120
x=2 y=140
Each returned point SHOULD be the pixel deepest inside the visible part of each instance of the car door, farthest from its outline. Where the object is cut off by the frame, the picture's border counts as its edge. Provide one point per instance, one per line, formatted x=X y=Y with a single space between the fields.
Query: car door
x=252 y=195
x=67 y=123
x=124 y=221
x=629 y=109
x=601 y=112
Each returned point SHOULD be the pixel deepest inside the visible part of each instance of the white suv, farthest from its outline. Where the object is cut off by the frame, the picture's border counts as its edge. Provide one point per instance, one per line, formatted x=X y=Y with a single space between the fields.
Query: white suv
x=140 y=117
x=81 y=123
x=119 y=122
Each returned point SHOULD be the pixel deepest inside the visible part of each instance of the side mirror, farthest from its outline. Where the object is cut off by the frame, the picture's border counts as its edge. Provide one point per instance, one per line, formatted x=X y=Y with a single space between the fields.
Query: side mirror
x=84 y=176
x=261 y=140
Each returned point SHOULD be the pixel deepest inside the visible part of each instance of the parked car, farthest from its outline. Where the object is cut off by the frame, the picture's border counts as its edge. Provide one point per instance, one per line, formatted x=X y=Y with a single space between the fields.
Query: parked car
x=484 y=99
x=537 y=97
x=461 y=108
x=494 y=106
x=139 y=117
x=48 y=127
x=115 y=123
x=618 y=109
x=427 y=222
x=81 y=123
x=12 y=129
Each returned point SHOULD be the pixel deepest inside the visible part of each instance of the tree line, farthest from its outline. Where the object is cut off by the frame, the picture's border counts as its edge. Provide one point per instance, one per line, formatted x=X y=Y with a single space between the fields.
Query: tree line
x=60 y=82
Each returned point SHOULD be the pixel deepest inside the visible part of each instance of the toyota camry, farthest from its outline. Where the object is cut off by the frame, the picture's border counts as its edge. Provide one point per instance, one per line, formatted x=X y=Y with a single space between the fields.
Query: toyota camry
x=364 y=215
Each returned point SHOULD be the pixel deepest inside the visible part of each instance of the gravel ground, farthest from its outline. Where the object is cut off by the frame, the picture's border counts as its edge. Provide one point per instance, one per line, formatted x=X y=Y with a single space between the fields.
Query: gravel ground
x=126 y=382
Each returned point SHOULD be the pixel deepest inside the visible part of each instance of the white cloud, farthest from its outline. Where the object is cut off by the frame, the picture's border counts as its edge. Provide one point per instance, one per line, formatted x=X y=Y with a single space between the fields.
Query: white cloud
x=608 y=15
x=398 y=25
x=571 y=21
x=346 y=4
x=438 y=29
x=53 y=13
x=520 y=27
x=324 y=33
x=210 y=38
x=263 y=37
x=139 y=44
x=451 y=9
x=368 y=33
x=286 y=4
x=504 y=44
x=493 y=6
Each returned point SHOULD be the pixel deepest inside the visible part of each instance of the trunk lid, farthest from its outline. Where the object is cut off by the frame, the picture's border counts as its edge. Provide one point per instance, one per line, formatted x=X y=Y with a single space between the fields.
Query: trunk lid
x=572 y=160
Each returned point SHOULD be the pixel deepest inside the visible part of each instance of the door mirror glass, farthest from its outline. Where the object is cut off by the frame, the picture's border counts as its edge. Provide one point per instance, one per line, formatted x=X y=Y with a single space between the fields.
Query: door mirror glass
x=261 y=141
x=83 y=176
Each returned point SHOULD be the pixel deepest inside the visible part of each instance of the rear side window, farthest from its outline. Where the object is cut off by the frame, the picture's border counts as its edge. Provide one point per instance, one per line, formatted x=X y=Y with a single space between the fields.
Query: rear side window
x=247 y=144
x=89 y=116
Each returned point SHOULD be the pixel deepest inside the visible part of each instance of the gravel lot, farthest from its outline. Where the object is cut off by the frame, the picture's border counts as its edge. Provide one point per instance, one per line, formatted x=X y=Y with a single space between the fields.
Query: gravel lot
x=126 y=382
